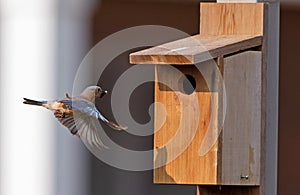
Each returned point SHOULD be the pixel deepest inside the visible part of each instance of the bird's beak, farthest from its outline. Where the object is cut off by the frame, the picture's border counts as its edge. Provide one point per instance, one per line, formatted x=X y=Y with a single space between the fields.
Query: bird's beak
x=102 y=94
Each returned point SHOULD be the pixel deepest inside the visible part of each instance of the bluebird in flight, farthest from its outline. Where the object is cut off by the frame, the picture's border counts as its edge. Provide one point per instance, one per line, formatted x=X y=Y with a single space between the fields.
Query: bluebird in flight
x=79 y=114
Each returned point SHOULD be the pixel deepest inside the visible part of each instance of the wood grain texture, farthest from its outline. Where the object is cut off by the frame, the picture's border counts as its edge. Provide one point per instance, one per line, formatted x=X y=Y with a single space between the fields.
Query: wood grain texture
x=242 y=127
x=191 y=126
x=231 y=18
x=224 y=22
x=237 y=151
x=195 y=49
x=238 y=1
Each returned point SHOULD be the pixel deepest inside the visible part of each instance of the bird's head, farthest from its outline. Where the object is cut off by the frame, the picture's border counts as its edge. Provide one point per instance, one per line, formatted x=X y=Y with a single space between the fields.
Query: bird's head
x=90 y=93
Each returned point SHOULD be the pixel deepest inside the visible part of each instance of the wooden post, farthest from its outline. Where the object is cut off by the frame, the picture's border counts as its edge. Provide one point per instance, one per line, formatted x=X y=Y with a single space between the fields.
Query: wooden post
x=270 y=93
x=270 y=97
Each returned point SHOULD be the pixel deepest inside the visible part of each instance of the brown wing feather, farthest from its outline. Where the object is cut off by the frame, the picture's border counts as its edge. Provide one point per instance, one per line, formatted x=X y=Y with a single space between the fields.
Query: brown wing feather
x=68 y=121
x=84 y=126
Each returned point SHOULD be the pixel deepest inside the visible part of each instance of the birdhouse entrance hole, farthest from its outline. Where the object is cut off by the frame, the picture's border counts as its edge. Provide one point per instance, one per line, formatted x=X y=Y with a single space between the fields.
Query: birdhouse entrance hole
x=187 y=84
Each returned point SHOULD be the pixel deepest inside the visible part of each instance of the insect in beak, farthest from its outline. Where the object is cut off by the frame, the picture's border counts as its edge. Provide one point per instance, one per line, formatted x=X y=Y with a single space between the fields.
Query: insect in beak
x=102 y=93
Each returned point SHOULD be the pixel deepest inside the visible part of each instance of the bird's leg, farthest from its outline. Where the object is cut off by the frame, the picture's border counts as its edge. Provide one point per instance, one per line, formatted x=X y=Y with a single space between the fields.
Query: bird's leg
x=59 y=114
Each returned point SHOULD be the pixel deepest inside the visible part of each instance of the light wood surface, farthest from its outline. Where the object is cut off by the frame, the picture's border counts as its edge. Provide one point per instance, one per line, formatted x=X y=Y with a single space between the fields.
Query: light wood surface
x=238 y=1
x=231 y=18
x=190 y=121
x=195 y=49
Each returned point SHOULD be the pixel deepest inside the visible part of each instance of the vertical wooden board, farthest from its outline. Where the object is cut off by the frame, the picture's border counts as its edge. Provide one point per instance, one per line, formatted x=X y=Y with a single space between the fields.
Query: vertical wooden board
x=231 y=18
x=270 y=91
x=188 y=167
x=242 y=127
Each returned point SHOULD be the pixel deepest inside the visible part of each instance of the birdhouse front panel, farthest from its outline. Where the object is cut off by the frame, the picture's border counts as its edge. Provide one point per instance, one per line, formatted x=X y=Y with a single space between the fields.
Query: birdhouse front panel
x=182 y=126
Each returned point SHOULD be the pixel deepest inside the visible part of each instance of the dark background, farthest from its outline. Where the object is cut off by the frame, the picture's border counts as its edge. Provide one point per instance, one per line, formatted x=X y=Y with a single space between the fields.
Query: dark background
x=113 y=15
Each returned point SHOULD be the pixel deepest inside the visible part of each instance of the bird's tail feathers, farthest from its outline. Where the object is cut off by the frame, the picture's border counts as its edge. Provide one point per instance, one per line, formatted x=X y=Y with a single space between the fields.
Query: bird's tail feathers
x=33 y=102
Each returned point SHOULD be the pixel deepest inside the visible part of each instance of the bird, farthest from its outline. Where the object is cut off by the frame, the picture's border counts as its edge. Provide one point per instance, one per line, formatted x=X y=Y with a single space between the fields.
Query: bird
x=79 y=114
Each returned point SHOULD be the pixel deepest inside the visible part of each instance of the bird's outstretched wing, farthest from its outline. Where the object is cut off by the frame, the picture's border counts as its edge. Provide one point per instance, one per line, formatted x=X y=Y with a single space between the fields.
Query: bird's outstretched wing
x=85 y=127
x=84 y=121
x=91 y=110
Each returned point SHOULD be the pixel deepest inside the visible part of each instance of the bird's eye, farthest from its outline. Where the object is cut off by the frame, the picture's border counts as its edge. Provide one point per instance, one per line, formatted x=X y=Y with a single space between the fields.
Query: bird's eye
x=98 y=90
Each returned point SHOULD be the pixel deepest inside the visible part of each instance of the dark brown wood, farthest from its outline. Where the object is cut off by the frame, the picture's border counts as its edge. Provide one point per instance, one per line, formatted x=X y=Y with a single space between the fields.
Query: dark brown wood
x=227 y=190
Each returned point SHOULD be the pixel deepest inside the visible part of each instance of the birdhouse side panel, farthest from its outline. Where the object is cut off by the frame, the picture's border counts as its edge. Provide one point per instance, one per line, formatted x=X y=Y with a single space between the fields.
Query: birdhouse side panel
x=241 y=141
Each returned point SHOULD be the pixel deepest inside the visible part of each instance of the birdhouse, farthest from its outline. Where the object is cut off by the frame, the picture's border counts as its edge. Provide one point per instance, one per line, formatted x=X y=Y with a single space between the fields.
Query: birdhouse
x=211 y=130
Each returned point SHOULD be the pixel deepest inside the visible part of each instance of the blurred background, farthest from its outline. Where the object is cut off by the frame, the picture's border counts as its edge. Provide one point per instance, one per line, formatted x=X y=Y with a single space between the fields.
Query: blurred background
x=42 y=43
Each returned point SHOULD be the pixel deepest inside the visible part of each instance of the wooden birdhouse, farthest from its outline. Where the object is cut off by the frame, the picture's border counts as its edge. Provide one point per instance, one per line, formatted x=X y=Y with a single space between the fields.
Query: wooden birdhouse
x=213 y=87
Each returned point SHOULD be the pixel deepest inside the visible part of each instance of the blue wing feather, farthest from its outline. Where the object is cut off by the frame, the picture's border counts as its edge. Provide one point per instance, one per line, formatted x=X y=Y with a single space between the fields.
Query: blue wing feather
x=86 y=107
x=89 y=108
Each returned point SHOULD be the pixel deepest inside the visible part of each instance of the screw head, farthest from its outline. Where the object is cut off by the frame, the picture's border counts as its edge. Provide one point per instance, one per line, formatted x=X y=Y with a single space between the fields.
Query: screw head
x=245 y=177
